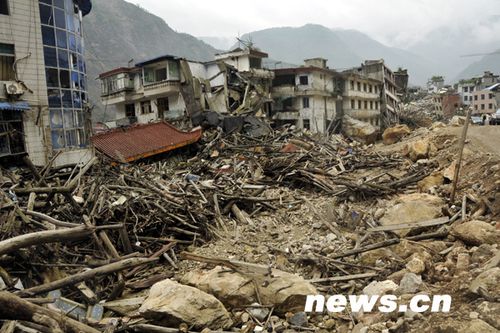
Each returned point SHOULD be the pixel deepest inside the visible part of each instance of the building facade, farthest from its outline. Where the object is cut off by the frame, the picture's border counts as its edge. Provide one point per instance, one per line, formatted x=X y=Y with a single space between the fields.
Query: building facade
x=484 y=102
x=361 y=98
x=390 y=103
x=466 y=88
x=148 y=92
x=308 y=96
x=435 y=84
x=43 y=89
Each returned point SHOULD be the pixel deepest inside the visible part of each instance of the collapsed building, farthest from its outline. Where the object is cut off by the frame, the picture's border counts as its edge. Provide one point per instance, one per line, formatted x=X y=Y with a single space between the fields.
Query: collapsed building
x=309 y=96
x=43 y=91
x=390 y=103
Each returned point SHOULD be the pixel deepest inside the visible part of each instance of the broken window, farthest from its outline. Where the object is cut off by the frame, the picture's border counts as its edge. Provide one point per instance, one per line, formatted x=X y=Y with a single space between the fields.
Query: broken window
x=7 y=59
x=161 y=74
x=284 y=80
x=352 y=85
x=255 y=63
x=359 y=104
x=306 y=124
x=359 y=86
x=370 y=88
x=129 y=110
x=353 y=104
x=4 y=7
x=287 y=104
x=305 y=102
x=482 y=96
x=46 y=15
x=304 y=80
x=364 y=87
x=146 y=107
x=173 y=71
x=371 y=105
x=475 y=97
x=163 y=107
x=466 y=98
x=466 y=89
x=366 y=105
x=11 y=132
x=483 y=107
x=490 y=106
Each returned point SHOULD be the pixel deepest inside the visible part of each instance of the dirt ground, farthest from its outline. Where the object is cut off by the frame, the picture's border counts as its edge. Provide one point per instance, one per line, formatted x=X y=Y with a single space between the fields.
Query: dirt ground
x=487 y=138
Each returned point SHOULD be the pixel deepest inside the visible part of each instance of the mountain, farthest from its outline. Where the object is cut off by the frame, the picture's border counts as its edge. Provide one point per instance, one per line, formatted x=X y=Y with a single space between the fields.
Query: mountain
x=220 y=43
x=117 y=32
x=448 y=45
x=489 y=62
x=342 y=48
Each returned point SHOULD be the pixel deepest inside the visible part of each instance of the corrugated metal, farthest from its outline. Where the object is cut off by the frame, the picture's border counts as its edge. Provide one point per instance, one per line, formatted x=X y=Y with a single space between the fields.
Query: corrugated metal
x=140 y=141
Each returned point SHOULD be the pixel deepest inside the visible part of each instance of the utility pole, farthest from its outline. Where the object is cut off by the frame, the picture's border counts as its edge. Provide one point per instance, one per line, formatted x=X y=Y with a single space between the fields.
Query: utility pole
x=460 y=155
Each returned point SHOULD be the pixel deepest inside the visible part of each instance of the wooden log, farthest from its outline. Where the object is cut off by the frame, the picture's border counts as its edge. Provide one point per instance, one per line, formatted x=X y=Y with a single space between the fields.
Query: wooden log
x=13 y=307
x=27 y=191
x=86 y=275
x=43 y=237
x=52 y=220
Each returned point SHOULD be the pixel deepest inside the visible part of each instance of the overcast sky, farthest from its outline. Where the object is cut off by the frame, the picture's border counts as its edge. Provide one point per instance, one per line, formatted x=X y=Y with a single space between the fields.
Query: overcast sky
x=393 y=22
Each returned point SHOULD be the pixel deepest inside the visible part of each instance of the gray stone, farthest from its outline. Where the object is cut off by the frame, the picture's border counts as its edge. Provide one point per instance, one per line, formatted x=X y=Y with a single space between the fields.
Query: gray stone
x=476 y=233
x=490 y=313
x=487 y=284
x=410 y=283
x=298 y=319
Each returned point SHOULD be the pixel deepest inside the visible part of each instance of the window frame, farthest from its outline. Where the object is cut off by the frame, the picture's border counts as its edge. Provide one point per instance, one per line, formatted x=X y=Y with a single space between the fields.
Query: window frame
x=4 y=7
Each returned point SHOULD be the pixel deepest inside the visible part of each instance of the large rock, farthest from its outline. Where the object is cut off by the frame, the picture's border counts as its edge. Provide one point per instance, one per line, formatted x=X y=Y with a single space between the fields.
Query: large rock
x=487 y=284
x=232 y=289
x=490 y=312
x=435 y=179
x=458 y=121
x=170 y=303
x=476 y=233
x=359 y=130
x=380 y=288
x=287 y=292
x=412 y=208
x=420 y=149
x=395 y=134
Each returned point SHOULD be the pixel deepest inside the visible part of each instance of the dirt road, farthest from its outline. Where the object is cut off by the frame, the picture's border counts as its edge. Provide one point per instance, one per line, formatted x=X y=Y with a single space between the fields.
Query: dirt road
x=485 y=138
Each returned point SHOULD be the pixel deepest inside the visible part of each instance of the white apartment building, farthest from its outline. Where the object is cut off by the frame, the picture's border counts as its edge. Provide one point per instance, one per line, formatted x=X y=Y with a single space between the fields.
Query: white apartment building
x=43 y=90
x=308 y=96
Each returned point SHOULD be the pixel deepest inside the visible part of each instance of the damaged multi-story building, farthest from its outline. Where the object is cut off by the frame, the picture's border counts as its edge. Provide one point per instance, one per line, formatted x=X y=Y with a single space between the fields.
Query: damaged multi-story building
x=390 y=103
x=308 y=96
x=170 y=88
x=43 y=89
x=362 y=98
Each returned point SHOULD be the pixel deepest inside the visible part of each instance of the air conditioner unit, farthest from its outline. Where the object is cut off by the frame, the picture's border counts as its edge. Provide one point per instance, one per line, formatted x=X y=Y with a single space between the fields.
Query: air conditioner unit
x=14 y=88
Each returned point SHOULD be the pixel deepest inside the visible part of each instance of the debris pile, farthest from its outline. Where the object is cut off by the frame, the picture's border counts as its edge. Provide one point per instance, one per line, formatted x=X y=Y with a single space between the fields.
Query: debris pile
x=236 y=235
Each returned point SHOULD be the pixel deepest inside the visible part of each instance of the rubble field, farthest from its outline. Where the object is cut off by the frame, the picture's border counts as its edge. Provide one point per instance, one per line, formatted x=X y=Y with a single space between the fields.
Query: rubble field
x=233 y=235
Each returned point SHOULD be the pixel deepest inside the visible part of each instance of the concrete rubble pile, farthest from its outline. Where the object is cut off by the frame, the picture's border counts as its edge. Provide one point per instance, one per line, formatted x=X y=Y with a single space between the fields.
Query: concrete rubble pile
x=235 y=235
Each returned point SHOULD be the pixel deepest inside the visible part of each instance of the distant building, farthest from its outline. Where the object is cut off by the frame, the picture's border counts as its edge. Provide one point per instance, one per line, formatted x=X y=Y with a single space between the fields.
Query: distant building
x=401 y=78
x=43 y=84
x=484 y=101
x=307 y=96
x=450 y=103
x=435 y=84
x=466 y=88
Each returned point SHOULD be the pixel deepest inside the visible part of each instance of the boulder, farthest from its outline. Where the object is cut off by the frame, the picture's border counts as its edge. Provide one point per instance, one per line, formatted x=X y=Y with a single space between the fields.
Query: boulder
x=457 y=121
x=395 y=134
x=437 y=125
x=410 y=283
x=287 y=292
x=420 y=149
x=359 y=130
x=380 y=288
x=476 y=233
x=490 y=312
x=479 y=326
x=449 y=172
x=433 y=180
x=170 y=303
x=487 y=284
x=231 y=288
x=412 y=208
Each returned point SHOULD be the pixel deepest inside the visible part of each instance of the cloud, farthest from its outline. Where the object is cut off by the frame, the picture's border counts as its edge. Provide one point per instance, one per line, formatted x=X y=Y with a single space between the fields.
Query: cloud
x=393 y=22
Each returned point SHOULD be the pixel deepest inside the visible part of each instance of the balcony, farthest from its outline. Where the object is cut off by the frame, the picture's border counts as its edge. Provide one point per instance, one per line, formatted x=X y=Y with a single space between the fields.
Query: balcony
x=161 y=87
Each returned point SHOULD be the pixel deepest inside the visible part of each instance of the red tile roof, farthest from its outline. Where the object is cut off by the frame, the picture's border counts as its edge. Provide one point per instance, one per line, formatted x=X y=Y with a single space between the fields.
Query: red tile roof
x=140 y=141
